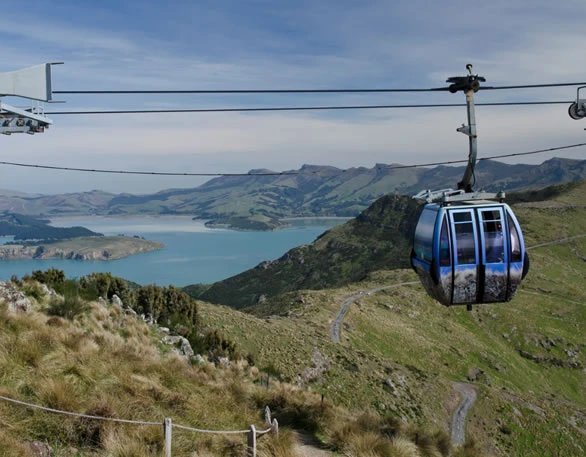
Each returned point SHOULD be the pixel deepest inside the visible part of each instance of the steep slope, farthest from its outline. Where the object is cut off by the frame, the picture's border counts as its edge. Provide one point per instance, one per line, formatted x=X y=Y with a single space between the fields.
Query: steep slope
x=400 y=351
x=379 y=238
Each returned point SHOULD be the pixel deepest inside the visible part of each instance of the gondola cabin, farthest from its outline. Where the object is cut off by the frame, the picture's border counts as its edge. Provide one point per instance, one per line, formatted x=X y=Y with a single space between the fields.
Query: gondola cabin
x=469 y=253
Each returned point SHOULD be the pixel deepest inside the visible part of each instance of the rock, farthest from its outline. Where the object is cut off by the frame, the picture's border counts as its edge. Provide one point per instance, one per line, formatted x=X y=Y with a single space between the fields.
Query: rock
x=390 y=385
x=320 y=366
x=148 y=319
x=16 y=300
x=198 y=359
x=130 y=312
x=39 y=449
x=164 y=330
x=181 y=343
x=478 y=375
x=48 y=290
x=102 y=301
x=224 y=362
x=116 y=301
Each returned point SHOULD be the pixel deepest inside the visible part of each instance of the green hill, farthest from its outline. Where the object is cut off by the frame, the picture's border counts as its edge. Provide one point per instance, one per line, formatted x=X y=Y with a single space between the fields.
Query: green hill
x=379 y=238
x=401 y=352
x=258 y=202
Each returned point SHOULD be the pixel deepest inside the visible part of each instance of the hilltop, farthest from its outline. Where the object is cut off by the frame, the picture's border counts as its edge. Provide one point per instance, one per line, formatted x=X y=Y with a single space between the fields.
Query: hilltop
x=258 y=202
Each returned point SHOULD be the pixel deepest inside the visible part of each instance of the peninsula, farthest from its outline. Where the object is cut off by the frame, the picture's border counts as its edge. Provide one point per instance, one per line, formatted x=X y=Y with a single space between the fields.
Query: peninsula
x=81 y=248
x=34 y=238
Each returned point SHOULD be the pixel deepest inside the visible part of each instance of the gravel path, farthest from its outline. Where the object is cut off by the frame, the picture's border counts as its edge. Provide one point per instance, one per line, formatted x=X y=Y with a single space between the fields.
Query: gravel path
x=308 y=446
x=468 y=394
x=337 y=324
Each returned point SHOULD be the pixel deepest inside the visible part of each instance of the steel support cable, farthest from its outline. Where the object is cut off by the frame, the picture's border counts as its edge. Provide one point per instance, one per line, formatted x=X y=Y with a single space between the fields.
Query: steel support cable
x=303 y=91
x=280 y=173
x=301 y=108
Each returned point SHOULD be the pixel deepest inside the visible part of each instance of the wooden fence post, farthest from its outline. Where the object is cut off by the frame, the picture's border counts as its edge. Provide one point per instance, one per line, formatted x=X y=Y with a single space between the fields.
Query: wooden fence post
x=275 y=427
x=252 y=441
x=168 y=428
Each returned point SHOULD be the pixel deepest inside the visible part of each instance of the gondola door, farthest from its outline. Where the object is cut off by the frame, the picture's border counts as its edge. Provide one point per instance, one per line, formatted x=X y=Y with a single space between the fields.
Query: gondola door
x=466 y=256
x=493 y=272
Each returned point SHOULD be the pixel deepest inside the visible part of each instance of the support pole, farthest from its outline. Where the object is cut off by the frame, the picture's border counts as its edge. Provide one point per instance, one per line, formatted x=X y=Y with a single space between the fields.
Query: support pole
x=168 y=430
x=466 y=182
x=252 y=441
x=469 y=85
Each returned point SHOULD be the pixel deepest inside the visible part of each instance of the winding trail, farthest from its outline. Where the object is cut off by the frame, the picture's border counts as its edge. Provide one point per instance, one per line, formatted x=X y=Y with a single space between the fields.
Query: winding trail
x=337 y=324
x=468 y=394
x=308 y=446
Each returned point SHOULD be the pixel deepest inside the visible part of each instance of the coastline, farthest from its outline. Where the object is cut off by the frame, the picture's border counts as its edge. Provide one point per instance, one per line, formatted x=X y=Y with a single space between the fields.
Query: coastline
x=82 y=248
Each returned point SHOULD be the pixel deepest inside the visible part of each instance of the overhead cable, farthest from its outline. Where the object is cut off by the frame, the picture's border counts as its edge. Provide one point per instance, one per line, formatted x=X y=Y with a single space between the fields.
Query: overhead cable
x=274 y=173
x=303 y=91
x=303 y=108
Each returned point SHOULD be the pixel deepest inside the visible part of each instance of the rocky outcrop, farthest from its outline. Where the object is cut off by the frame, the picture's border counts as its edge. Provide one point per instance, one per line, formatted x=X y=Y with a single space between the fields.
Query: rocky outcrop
x=85 y=248
x=16 y=300
x=181 y=345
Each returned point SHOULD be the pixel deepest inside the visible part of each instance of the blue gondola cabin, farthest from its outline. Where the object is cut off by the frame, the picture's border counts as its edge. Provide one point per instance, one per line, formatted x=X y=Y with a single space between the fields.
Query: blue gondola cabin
x=469 y=253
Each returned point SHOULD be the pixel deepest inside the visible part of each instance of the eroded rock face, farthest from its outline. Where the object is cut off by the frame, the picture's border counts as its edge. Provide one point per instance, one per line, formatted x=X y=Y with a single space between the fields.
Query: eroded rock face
x=17 y=301
x=181 y=344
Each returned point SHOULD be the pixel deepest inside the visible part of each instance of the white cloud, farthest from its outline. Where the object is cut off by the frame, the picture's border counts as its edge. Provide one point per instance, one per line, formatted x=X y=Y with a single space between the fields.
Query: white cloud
x=305 y=44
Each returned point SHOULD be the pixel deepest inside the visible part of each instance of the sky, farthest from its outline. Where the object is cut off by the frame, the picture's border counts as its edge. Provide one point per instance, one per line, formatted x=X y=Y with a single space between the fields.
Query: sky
x=283 y=44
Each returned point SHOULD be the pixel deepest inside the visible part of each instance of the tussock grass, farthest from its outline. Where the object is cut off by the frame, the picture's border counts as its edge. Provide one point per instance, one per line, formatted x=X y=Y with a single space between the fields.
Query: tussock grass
x=281 y=446
x=107 y=364
x=381 y=436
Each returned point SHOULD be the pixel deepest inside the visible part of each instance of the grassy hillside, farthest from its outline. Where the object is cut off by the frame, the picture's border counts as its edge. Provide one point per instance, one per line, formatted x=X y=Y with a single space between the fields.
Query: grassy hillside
x=379 y=238
x=98 y=359
x=401 y=352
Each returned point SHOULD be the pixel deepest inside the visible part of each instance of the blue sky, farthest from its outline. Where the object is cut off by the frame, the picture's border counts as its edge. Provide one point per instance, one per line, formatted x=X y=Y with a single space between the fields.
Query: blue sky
x=260 y=44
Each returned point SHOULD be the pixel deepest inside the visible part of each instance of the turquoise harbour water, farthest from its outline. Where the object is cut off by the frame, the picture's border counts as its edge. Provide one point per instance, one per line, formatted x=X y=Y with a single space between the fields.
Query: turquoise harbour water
x=192 y=253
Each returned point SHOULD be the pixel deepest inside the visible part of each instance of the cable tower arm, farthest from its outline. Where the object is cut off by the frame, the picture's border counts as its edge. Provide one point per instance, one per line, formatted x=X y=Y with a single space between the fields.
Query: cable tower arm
x=33 y=83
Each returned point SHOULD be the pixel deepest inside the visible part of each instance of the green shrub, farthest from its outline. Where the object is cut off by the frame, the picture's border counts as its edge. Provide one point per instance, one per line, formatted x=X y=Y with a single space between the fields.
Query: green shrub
x=52 y=277
x=70 y=307
x=34 y=291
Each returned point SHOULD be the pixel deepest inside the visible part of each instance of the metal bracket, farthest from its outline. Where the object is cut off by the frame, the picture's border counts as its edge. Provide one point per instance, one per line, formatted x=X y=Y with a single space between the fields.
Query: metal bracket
x=577 y=110
x=17 y=120
x=447 y=196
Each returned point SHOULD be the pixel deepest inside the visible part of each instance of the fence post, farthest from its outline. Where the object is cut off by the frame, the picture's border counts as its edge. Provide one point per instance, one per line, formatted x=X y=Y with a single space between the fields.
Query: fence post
x=252 y=441
x=275 y=427
x=168 y=428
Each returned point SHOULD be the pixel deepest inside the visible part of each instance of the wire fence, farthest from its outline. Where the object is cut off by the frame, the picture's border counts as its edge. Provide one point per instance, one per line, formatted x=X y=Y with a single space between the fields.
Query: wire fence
x=168 y=425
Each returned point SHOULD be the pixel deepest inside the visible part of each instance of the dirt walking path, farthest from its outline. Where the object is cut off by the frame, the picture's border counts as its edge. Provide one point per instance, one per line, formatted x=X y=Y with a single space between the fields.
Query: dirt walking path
x=337 y=324
x=468 y=394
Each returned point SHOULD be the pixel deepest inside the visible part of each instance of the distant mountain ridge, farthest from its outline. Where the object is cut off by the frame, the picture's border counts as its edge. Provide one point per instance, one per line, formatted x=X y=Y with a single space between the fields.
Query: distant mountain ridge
x=312 y=190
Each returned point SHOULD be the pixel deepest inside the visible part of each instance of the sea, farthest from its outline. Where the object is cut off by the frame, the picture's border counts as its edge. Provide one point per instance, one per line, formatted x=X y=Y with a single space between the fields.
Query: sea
x=193 y=253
